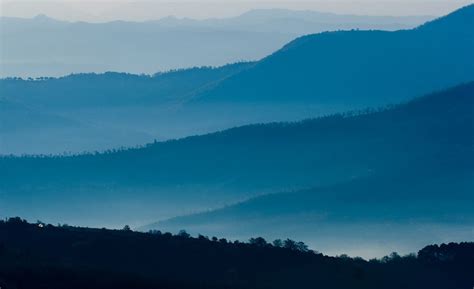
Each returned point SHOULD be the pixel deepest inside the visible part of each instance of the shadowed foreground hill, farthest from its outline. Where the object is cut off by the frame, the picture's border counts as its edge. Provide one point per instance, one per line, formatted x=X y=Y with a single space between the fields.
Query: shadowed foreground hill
x=425 y=138
x=67 y=257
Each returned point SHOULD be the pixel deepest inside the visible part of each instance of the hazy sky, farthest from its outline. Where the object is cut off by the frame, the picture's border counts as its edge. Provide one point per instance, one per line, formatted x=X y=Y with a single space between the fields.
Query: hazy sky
x=106 y=10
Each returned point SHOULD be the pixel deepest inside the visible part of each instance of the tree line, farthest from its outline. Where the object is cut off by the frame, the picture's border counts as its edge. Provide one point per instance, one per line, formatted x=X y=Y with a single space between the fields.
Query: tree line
x=60 y=256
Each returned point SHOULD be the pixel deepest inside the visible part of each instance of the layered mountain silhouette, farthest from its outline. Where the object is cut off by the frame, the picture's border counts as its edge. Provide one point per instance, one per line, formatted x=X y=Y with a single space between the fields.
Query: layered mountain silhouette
x=359 y=67
x=357 y=217
x=311 y=76
x=112 y=89
x=110 y=110
x=364 y=176
x=43 y=46
x=357 y=140
x=421 y=141
x=396 y=199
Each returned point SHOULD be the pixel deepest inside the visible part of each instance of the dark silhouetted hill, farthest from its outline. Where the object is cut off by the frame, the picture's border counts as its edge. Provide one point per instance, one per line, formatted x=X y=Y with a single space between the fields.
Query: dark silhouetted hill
x=45 y=256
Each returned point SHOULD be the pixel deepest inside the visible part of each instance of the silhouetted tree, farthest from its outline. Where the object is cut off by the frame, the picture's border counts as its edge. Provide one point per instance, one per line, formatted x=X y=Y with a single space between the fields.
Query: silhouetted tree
x=203 y=238
x=290 y=244
x=183 y=234
x=258 y=242
x=278 y=243
x=300 y=246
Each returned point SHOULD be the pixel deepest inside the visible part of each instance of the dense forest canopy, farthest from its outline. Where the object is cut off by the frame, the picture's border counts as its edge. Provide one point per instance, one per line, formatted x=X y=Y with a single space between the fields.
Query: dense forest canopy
x=45 y=256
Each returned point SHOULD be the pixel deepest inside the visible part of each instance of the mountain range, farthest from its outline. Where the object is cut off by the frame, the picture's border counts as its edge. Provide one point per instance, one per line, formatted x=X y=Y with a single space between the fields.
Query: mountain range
x=43 y=46
x=359 y=67
x=415 y=152
x=311 y=76
x=99 y=111
x=410 y=157
x=347 y=140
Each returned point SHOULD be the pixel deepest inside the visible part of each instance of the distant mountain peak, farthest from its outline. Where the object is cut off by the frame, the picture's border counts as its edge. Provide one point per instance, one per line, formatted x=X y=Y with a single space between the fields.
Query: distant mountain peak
x=43 y=17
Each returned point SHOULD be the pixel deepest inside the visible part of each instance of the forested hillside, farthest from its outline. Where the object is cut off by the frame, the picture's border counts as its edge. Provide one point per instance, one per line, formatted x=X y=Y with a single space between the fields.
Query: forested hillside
x=45 y=256
x=429 y=136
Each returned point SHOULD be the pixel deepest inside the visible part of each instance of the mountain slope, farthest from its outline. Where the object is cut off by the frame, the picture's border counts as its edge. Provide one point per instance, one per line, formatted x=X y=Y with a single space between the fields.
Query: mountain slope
x=20 y=124
x=114 y=109
x=15 y=117
x=428 y=136
x=359 y=68
x=311 y=76
x=113 y=89
x=367 y=217
x=46 y=47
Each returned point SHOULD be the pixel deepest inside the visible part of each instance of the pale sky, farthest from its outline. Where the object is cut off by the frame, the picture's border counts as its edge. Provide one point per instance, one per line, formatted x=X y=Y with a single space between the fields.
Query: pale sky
x=139 y=10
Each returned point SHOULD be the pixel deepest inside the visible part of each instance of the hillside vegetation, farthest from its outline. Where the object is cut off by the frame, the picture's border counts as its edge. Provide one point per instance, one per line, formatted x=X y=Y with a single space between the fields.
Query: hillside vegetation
x=45 y=256
x=424 y=138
